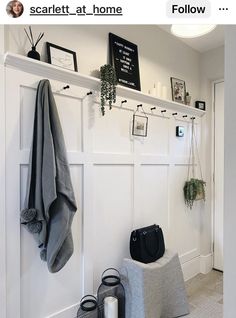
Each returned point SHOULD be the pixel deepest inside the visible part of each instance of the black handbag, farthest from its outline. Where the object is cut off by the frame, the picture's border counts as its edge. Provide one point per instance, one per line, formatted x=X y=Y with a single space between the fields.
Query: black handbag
x=147 y=244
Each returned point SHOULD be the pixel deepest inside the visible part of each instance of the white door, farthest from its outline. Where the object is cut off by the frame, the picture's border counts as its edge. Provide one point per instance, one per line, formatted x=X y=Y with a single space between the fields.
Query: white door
x=219 y=175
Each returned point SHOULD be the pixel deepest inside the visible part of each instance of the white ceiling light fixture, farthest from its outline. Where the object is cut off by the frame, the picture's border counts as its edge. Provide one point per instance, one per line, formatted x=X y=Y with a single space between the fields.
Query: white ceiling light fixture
x=191 y=30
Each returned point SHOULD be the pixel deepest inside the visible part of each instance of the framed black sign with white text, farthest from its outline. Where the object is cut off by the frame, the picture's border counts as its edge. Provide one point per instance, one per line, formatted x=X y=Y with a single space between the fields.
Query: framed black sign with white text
x=124 y=58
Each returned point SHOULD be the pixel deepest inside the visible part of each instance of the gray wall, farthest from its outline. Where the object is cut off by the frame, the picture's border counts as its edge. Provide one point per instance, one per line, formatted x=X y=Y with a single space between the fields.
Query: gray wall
x=230 y=175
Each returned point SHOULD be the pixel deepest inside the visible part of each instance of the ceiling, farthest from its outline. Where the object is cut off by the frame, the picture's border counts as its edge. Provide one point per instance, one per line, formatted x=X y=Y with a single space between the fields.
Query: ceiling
x=204 y=43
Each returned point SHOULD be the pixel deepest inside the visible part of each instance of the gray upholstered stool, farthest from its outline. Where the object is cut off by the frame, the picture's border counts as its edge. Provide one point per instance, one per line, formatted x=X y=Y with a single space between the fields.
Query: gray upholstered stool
x=155 y=290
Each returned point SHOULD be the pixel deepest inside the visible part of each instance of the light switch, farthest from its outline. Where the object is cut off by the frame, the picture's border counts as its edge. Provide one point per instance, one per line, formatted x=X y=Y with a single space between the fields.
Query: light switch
x=179 y=131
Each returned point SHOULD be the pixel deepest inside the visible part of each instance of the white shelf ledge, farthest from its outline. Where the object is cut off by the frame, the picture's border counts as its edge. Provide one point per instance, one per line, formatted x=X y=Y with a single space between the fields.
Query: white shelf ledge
x=50 y=71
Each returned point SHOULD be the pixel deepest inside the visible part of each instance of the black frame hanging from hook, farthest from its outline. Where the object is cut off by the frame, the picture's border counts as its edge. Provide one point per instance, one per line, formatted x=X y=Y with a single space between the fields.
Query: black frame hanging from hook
x=140 y=123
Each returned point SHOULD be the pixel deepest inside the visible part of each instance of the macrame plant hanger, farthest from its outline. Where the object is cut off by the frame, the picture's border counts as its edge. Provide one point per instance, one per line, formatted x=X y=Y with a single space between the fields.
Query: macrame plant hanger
x=194 y=189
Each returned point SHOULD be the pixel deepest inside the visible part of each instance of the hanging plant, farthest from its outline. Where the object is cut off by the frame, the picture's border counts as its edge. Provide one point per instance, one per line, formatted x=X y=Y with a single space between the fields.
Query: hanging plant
x=108 y=86
x=194 y=189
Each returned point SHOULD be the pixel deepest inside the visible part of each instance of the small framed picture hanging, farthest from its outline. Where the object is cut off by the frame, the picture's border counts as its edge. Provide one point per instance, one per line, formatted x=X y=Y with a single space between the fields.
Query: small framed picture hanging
x=140 y=124
x=200 y=105
x=178 y=89
x=61 y=57
x=124 y=57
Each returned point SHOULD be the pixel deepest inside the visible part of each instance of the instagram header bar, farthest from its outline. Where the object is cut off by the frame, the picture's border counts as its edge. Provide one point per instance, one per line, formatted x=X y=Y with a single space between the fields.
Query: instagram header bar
x=117 y=12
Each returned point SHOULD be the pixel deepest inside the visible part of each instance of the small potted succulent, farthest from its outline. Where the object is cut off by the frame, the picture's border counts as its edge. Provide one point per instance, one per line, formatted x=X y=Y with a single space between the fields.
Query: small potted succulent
x=108 y=86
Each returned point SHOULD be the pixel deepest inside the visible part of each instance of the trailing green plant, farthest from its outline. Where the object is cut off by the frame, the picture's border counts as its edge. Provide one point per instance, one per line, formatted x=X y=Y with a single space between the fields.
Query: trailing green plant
x=194 y=189
x=108 y=86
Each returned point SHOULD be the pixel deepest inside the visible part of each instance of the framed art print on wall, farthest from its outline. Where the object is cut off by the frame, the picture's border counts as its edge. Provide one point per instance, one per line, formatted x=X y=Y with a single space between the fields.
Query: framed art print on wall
x=178 y=90
x=61 y=57
x=140 y=124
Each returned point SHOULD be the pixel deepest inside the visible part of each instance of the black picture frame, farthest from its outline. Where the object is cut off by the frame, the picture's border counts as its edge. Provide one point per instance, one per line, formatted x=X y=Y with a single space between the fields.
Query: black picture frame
x=200 y=105
x=140 y=124
x=61 y=57
x=123 y=56
x=178 y=89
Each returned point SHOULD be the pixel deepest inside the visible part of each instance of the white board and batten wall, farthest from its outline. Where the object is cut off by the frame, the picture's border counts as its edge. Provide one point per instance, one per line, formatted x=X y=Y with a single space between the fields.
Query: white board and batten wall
x=121 y=182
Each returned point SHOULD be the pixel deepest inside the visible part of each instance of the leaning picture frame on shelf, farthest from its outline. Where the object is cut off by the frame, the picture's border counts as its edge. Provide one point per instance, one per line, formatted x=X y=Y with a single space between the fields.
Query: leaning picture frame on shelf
x=62 y=57
x=200 y=105
x=178 y=89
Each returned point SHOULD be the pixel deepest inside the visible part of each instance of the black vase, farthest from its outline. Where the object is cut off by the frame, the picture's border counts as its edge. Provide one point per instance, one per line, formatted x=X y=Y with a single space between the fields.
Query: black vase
x=34 y=54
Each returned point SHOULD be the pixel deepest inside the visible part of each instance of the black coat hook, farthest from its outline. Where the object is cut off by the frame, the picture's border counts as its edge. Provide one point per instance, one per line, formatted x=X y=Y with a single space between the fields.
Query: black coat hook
x=193 y=118
x=123 y=101
x=90 y=93
x=140 y=105
x=163 y=111
x=66 y=87
x=153 y=108
x=174 y=114
x=185 y=116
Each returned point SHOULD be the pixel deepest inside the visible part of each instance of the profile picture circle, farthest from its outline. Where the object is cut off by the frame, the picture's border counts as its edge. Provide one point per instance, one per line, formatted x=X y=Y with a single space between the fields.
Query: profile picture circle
x=15 y=9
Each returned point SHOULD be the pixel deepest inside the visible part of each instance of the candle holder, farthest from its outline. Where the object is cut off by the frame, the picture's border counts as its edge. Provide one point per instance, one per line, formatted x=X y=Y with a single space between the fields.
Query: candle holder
x=111 y=295
x=88 y=307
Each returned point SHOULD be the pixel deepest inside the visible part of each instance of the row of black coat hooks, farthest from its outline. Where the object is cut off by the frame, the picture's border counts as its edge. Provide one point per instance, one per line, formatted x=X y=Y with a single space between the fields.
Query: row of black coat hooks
x=164 y=111
x=140 y=105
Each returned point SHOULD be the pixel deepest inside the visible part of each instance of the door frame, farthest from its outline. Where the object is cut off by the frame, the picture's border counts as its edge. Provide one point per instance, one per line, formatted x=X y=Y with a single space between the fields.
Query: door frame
x=213 y=83
x=3 y=286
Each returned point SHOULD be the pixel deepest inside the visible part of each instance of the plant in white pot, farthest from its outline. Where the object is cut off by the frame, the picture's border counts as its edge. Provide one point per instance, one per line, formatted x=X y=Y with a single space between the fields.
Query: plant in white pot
x=194 y=188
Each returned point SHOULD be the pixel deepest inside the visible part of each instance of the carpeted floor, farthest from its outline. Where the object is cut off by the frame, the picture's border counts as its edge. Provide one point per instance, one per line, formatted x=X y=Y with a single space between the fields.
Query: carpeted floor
x=205 y=293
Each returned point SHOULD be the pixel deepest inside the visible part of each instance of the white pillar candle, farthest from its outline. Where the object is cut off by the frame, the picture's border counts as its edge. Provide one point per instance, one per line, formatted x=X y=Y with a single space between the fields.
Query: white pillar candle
x=158 y=89
x=154 y=90
x=164 y=92
x=110 y=307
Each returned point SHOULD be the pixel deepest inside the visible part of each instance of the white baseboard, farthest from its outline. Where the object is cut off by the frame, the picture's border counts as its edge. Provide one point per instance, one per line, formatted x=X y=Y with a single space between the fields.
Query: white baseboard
x=206 y=263
x=200 y=264
x=191 y=268
x=68 y=312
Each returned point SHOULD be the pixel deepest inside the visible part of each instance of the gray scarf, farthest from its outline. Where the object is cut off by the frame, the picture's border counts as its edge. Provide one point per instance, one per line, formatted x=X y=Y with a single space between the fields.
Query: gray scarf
x=50 y=203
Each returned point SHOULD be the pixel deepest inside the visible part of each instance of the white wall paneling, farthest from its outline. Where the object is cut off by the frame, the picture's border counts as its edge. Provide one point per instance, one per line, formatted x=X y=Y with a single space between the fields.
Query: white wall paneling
x=27 y=277
x=121 y=182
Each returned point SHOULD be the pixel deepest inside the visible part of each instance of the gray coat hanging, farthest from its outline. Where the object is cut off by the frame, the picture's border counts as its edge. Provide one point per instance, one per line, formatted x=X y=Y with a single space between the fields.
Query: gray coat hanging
x=50 y=203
